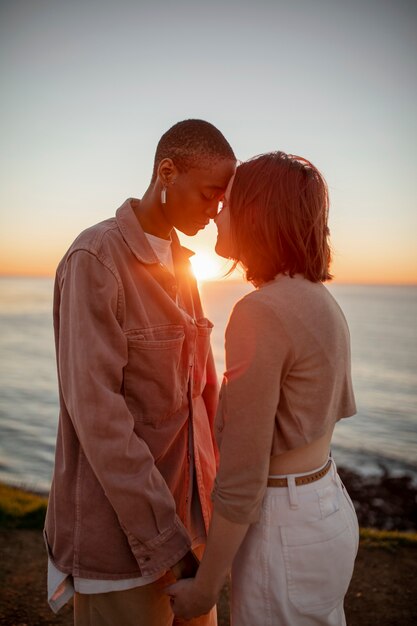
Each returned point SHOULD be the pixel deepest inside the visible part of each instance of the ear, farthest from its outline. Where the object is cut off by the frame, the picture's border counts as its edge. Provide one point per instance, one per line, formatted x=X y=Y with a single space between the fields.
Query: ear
x=167 y=172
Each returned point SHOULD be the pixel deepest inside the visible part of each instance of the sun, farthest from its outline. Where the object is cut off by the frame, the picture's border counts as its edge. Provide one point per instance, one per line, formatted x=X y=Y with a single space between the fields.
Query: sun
x=206 y=266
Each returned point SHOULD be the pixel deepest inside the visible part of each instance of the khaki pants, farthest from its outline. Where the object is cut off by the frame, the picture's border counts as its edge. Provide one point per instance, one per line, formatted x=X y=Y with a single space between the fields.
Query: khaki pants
x=140 y=606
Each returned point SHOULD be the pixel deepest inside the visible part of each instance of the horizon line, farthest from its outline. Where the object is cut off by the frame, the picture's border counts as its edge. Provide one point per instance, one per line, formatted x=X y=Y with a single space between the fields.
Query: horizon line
x=366 y=283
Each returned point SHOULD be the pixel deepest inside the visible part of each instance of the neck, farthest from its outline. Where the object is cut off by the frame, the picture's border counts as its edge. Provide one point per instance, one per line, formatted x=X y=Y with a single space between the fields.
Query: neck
x=148 y=212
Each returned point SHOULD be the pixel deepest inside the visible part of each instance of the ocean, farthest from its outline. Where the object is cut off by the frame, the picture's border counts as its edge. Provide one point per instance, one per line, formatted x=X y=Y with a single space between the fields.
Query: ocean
x=382 y=320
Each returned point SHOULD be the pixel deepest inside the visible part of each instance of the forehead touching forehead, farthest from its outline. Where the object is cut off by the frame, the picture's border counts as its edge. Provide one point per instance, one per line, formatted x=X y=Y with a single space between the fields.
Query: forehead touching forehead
x=214 y=176
x=193 y=144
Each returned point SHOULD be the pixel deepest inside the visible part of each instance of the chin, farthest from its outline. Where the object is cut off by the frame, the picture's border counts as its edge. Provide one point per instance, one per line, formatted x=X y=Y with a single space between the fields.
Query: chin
x=222 y=250
x=190 y=231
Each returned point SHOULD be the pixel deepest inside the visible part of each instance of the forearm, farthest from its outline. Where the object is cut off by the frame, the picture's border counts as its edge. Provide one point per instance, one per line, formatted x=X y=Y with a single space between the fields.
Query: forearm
x=223 y=542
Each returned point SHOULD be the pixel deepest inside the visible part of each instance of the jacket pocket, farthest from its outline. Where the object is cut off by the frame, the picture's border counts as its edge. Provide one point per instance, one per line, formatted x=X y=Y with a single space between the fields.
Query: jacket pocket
x=204 y=328
x=155 y=377
x=319 y=558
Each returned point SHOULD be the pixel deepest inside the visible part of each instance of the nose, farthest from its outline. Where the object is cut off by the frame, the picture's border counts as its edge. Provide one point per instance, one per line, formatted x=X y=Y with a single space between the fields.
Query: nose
x=212 y=211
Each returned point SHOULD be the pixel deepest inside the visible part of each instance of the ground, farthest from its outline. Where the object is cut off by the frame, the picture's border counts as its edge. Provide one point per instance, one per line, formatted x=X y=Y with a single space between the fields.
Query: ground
x=383 y=591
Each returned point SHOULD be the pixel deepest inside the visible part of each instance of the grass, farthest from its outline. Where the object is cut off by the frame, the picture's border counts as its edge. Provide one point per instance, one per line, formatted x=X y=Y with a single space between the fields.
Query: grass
x=390 y=539
x=21 y=509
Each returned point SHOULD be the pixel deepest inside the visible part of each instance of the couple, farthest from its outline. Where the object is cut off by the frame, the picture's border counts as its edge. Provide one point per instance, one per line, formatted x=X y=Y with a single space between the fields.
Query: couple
x=155 y=471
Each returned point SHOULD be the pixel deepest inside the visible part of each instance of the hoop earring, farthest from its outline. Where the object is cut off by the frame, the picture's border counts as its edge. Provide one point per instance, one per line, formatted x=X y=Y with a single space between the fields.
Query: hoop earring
x=164 y=195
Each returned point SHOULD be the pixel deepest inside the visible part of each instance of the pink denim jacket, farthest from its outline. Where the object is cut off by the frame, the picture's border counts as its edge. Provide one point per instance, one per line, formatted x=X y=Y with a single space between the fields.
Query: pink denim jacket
x=137 y=386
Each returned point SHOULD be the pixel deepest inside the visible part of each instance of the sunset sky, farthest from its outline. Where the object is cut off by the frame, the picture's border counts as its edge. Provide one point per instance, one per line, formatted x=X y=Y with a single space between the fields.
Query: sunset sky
x=89 y=86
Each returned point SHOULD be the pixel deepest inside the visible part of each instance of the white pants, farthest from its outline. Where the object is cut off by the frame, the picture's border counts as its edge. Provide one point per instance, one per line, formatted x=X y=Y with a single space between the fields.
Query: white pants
x=295 y=564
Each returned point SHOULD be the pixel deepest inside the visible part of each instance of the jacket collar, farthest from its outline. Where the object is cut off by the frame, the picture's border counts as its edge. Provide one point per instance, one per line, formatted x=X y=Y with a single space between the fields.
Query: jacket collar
x=135 y=237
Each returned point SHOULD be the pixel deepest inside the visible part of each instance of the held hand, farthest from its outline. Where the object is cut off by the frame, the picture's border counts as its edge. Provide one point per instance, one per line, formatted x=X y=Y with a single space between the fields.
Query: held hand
x=187 y=600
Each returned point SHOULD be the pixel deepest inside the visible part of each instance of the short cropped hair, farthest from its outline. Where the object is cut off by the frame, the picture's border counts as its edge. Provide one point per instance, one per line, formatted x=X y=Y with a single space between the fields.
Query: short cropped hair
x=192 y=144
x=279 y=208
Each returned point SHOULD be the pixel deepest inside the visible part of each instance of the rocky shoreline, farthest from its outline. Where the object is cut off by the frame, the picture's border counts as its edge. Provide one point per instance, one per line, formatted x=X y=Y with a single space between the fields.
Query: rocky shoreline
x=383 y=501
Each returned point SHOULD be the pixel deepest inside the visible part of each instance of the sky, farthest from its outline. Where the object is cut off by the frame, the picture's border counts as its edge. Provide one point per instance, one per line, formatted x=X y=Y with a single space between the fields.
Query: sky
x=89 y=86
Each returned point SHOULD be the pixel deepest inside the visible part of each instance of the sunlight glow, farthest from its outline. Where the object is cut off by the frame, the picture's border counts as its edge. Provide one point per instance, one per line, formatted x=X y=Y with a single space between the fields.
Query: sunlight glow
x=206 y=266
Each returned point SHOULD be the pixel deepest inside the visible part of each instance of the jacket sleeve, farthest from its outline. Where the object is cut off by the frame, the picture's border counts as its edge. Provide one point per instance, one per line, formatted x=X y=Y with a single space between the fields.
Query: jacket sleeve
x=92 y=352
x=258 y=355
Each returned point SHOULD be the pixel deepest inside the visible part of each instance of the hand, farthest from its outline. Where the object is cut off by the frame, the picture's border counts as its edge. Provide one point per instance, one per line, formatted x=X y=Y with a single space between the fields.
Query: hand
x=187 y=600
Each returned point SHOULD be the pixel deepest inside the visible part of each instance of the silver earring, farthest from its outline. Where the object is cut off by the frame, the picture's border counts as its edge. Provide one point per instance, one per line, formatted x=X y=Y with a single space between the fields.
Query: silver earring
x=164 y=195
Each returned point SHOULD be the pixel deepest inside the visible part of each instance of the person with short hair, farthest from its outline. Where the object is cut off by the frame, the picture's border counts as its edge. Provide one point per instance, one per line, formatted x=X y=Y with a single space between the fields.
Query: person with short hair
x=135 y=456
x=283 y=522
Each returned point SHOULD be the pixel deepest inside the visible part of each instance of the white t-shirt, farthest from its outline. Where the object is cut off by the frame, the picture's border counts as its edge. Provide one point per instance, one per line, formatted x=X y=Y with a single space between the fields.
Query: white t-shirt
x=162 y=249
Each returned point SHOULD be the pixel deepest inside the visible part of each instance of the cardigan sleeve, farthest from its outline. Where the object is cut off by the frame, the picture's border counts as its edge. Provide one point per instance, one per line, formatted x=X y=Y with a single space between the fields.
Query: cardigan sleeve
x=258 y=356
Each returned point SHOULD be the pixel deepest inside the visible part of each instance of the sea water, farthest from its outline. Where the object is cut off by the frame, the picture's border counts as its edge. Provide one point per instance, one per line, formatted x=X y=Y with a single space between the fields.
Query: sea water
x=382 y=321
x=383 y=328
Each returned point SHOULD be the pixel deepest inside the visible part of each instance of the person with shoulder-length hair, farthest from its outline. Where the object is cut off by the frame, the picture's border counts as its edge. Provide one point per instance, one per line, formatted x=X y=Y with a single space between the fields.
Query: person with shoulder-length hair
x=283 y=521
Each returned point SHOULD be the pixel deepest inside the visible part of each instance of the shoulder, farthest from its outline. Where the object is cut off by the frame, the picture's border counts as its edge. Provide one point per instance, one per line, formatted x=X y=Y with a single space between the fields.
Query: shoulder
x=304 y=306
x=285 y=303
x=90 y=251
x=298 y=297
x=93 y=238
x=278 y=297
x=251 y=307
x=258 y=334
x=94 y=241
x=258 y=315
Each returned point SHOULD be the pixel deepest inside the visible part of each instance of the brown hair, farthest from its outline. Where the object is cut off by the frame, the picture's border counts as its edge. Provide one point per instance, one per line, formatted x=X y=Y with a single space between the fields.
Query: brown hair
x=278 y=213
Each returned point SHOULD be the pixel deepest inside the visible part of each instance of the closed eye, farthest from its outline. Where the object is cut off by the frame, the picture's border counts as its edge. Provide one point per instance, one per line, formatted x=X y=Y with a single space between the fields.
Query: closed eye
x=209 y=196
x=212 y=193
